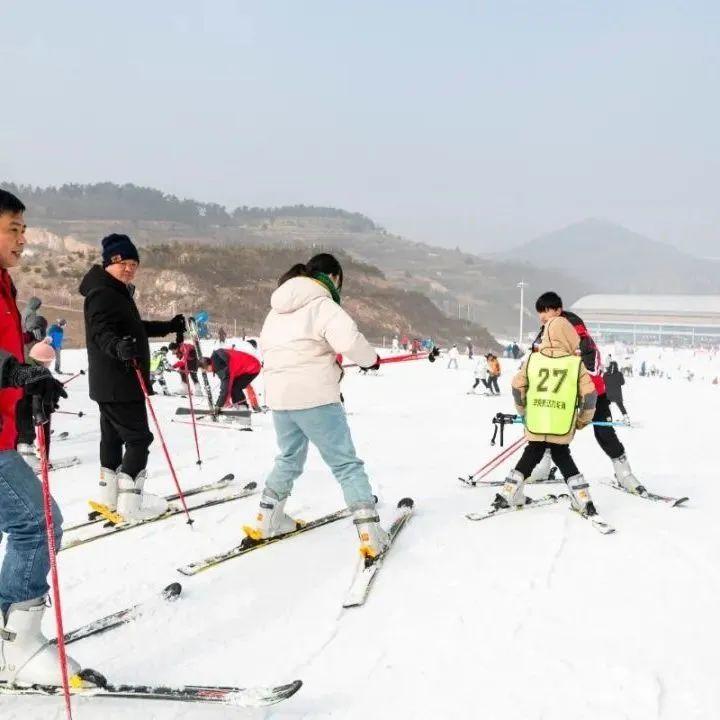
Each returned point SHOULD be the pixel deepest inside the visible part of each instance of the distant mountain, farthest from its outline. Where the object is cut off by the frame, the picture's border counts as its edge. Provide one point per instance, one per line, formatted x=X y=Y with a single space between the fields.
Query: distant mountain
x=613 y=259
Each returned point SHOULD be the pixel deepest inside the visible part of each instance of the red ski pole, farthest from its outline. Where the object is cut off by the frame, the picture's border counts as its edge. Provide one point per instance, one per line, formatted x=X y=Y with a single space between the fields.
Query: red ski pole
x=181 y=495
x=40 y=427
x=192 y=415
x=489 y=466
x=394 y=359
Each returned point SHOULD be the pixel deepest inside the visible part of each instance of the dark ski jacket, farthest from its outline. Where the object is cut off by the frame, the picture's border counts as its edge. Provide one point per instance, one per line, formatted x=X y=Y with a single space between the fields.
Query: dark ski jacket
x=110 y=315
x=614 y=381
x=588 y=350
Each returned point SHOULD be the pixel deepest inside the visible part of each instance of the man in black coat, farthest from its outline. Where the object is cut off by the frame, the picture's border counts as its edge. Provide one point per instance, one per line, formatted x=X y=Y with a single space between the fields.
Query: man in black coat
x=117 y=344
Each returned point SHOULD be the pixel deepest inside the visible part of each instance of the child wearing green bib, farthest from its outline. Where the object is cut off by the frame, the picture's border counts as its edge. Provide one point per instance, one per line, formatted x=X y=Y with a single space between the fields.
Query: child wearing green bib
x=555 y=394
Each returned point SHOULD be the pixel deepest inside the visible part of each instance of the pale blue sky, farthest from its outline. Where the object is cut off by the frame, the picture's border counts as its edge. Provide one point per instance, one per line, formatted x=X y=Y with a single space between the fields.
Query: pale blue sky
x=471 y=123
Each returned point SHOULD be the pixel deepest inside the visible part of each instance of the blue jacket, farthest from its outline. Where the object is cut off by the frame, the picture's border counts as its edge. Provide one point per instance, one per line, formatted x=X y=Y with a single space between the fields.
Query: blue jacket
x=56 y=334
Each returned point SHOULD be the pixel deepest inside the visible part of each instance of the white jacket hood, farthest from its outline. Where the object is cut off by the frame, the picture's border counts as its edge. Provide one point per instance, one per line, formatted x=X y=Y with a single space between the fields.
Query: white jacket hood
x=296 y=293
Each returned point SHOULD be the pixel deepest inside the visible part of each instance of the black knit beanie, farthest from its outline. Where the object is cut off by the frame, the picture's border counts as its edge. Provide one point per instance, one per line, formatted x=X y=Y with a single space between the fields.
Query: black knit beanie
x=118 y=247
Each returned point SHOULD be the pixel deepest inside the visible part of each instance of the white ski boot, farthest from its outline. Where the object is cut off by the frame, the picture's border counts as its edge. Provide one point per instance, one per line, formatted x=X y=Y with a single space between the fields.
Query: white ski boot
x=271 y=519
x=26 y=657
x=541 y=472
x=580 y=495
x=373 y=538
x=512 y=494
x=625 y=476
x=133 y=503
x=108 y=484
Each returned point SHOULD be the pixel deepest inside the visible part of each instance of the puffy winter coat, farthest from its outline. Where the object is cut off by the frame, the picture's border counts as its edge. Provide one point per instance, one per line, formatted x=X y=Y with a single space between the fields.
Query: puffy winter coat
x=230 y=364
x=614 y=381
x=558 y=339
x=494 y=367
x=110 y=315
x=56 y=334
x=301 y=336
x=11 y=346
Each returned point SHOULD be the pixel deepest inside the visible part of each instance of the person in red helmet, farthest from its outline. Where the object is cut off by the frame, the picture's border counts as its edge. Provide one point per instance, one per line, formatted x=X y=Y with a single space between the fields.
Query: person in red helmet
x=236 y=370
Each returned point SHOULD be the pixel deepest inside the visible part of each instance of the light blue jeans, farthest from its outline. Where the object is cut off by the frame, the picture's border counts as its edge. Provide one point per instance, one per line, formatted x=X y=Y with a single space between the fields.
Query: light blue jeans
x=24 y=571
x=325 y=427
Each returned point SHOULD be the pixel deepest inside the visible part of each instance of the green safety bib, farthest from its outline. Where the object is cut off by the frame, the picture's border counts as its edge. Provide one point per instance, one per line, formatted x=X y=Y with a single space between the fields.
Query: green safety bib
x=552 y=393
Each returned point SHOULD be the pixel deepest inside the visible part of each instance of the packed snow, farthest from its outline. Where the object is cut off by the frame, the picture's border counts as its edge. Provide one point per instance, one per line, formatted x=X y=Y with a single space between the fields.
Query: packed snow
x=530 y=616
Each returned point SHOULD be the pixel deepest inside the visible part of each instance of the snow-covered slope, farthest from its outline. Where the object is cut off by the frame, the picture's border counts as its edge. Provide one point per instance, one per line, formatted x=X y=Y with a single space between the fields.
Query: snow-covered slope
x=526 y=617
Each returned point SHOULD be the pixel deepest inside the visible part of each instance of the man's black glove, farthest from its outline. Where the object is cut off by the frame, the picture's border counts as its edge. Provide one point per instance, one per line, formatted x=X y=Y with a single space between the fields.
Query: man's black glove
x=178 y=324
x=37 y=381
x=127 y=349
x=376 y=366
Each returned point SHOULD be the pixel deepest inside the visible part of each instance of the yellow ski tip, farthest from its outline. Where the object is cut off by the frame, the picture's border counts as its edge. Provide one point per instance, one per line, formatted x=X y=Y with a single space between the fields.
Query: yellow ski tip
x=109 y=515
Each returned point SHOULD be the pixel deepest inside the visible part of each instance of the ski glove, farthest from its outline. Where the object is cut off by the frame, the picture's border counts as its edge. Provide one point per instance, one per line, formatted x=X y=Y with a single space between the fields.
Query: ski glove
x=376 y=366
x=127 y=349
x=37 y=381
x=178 y=324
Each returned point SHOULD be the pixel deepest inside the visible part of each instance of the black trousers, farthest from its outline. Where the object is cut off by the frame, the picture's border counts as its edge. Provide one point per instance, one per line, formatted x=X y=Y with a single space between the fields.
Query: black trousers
x=620 y=404
x=606 y=436
x=534 y=451
x=124 y=424
x=492 y=384
x=239 y=384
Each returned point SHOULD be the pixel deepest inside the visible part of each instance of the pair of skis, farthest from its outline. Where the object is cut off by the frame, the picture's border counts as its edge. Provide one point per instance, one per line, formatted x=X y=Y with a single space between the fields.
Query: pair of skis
x=84 y=533
x=364 y=574
x=597 y=521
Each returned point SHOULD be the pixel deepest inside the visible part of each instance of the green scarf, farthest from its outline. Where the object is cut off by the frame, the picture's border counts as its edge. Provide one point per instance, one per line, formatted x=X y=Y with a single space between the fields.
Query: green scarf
x=325 y=280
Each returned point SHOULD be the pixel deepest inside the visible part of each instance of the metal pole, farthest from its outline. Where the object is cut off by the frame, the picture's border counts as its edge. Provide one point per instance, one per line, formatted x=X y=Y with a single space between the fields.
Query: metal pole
x=521 y=285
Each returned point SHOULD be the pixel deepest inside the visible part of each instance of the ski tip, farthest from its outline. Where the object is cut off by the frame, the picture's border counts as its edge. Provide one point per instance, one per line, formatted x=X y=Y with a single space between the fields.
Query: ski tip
x=680 y=501
x=406 y=503
x=227 y=478
x=172 y=591
x=250 y=486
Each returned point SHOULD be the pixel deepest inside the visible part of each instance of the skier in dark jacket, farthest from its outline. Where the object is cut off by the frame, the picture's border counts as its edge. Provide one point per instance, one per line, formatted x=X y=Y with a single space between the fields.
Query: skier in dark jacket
x=117 y=344
x=614 y=381
x=549 y=305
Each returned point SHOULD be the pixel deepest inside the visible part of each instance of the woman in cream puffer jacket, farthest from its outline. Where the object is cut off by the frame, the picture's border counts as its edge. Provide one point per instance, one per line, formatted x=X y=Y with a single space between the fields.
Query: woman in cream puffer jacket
x=304 y=332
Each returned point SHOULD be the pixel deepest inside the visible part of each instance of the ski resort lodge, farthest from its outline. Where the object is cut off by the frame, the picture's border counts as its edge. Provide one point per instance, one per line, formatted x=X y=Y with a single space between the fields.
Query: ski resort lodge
x=677 y=320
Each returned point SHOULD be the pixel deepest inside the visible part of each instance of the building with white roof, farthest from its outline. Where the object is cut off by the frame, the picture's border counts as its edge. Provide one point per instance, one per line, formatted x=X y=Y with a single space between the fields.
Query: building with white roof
x=663 y=319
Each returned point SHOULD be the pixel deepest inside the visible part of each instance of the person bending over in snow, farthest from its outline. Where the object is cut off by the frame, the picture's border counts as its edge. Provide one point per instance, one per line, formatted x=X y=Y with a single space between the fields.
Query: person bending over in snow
x=302 y=335
x=549 y=305
x=187 y=364
x=236 y=370
x=117 y=346
x=555 y=394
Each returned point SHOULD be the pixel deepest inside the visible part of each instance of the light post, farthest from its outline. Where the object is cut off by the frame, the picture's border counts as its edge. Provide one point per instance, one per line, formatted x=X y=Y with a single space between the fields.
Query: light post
x=522 y=285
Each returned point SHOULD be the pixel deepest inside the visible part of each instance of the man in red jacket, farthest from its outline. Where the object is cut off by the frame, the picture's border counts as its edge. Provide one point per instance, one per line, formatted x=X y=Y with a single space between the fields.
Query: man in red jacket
x=236 y=370
x=549 y=305
x=25 y=655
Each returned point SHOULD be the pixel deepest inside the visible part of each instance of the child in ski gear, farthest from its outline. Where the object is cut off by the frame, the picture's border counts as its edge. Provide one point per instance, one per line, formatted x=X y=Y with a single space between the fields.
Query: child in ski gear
x=159 y=365
x=453 y=356
x=493 y=365
x=549 y=305
x=301 y=337
x=481 y=373
x=614 y=381
x=56 y=333
x=187 y=363
x=236 y=370
x=554 y=393
x=117 y=346
x=26 y=657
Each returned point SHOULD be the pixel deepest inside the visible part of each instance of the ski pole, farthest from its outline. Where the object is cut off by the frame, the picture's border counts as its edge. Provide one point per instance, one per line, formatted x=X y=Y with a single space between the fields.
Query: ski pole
x=40 y=429
x=489 y=466
x=76 y=375
x=181 y=495
x=394 y=359
x=79 y=413
x=596 y=423
x=192 y=415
